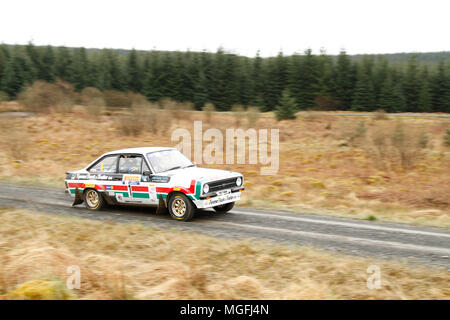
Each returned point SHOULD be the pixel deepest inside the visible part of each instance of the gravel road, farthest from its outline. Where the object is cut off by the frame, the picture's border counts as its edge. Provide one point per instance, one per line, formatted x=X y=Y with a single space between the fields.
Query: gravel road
x=356 y=237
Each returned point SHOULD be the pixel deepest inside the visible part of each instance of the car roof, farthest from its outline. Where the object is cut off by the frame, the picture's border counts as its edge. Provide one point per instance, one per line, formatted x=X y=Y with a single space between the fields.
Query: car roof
x=142 y=150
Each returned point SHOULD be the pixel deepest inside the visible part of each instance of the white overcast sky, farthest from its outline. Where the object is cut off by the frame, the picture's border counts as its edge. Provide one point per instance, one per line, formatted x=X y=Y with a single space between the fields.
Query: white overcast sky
x=243 y=27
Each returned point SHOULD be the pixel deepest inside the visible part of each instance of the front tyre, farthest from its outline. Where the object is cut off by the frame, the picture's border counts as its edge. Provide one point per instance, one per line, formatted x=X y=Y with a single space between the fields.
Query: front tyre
x=180 y=207
x=224 y=208
x=93 y=199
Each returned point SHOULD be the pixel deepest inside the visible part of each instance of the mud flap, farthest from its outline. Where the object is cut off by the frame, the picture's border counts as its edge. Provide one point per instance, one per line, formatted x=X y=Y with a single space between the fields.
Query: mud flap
x=78 y=197
x=162 y=209
x=107 y=198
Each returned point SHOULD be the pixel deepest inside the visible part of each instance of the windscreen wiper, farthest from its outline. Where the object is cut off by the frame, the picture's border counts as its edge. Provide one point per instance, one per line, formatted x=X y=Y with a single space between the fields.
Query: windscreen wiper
x=177 y=167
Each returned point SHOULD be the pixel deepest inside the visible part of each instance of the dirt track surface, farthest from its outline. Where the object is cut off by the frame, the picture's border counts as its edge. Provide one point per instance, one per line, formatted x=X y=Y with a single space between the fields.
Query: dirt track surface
x=356 y=237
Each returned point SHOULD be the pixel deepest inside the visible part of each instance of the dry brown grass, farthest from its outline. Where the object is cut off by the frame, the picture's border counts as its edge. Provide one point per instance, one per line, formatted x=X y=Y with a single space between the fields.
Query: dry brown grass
x=321 y=170
x=209 y=109
x=16 y=141
x=131 y=261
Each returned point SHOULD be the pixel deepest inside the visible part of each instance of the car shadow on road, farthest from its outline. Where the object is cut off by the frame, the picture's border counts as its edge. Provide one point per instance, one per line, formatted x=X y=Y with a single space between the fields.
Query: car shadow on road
x=147 y=211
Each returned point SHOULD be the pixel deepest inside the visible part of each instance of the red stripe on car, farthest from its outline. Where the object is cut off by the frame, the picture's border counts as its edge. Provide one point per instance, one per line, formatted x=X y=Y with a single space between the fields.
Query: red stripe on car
x=76 y=185
x=120 y=188
x=139 y=188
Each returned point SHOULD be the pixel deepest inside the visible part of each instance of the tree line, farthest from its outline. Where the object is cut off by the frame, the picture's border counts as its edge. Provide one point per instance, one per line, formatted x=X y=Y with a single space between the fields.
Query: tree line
x=320 y=81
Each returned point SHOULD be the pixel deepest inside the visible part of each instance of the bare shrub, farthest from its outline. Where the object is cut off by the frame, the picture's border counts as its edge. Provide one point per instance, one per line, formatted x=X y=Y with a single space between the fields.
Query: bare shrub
x=96 y=107
x=43 y=96
x=238 y=111
x=253 y=115
x=130 y=124
x=164 y=122
x=380 y=114
x=423 y=140
x=117 y=99
x=209 y=109
x=15 y=140
x=89 y=93
x=178 y=110
x=92 y=98
x=152 y=119
x=400 y=145
x=144 y=116
x=379 y=141
x=356 y=136
x=186 y=110
x=138 y=101
x=447 y=138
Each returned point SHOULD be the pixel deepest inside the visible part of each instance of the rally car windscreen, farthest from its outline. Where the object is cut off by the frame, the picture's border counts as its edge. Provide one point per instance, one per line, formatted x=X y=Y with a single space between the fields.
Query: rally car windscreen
x=168 y=160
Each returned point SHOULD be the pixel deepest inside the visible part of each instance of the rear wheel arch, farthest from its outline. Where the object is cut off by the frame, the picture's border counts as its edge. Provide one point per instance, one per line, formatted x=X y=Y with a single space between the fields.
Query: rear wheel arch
x=90 y=204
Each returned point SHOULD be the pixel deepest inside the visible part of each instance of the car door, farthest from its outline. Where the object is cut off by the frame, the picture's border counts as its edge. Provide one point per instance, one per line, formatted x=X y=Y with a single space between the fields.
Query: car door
x=132 y=166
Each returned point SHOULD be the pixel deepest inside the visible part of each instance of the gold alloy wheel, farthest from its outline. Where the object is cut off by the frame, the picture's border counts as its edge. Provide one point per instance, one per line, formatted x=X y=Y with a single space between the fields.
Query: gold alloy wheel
x=92 y=198
x=178 y=207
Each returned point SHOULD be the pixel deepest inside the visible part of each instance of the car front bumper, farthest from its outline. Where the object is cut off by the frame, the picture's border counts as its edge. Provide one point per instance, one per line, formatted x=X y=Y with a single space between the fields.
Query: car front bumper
x=218 y=200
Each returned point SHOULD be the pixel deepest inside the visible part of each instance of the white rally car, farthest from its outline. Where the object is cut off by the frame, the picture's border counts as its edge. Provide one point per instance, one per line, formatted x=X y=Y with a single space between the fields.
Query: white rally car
x=161 y=177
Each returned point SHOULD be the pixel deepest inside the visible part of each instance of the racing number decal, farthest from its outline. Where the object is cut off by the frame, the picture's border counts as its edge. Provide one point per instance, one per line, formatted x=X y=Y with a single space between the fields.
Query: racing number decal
x=152 y=193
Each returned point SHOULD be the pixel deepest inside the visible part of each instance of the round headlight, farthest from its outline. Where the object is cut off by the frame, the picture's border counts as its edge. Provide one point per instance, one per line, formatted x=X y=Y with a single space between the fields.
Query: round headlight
x=205 y=188
x=239 y=181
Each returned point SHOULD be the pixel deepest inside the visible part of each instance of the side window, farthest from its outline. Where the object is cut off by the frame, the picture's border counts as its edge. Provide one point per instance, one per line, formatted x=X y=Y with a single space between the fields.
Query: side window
x=107 y=164
x=145 y=167
x=130 y=164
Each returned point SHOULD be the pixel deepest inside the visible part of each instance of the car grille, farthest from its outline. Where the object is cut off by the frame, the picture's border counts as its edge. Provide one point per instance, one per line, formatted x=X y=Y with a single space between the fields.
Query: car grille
x=222 y=184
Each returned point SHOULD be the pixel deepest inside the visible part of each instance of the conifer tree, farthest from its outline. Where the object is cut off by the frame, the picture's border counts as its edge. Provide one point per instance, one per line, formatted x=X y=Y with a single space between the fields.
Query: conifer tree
x=363 y=95
x=344 y=80
x=48 y=65
x=412 y=85
x=287 y=107
x=258 y=79
x=80 y=69
x=133 y=72
x=63 y=64
x=277 y=80
x=17 y=74
x=424 y=96
x=440 y=86
x=391 y=97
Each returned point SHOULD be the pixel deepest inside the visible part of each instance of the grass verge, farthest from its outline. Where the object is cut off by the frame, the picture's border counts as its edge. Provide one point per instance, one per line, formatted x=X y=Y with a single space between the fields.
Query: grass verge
x=131 y=261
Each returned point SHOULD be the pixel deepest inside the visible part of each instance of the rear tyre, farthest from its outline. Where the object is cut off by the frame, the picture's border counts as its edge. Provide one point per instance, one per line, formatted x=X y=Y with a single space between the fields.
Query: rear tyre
x=93 y=200
x=224 y=208
x=180 y=207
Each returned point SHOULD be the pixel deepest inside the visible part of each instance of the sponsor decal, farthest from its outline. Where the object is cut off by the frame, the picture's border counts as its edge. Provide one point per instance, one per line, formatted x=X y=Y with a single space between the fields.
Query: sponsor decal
x=152 y=193
x=119 y=197
x=223 y=199
x=129 y=183
x=159 y=179
x=108 y=187
x=89 y=185
x=131 y=177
